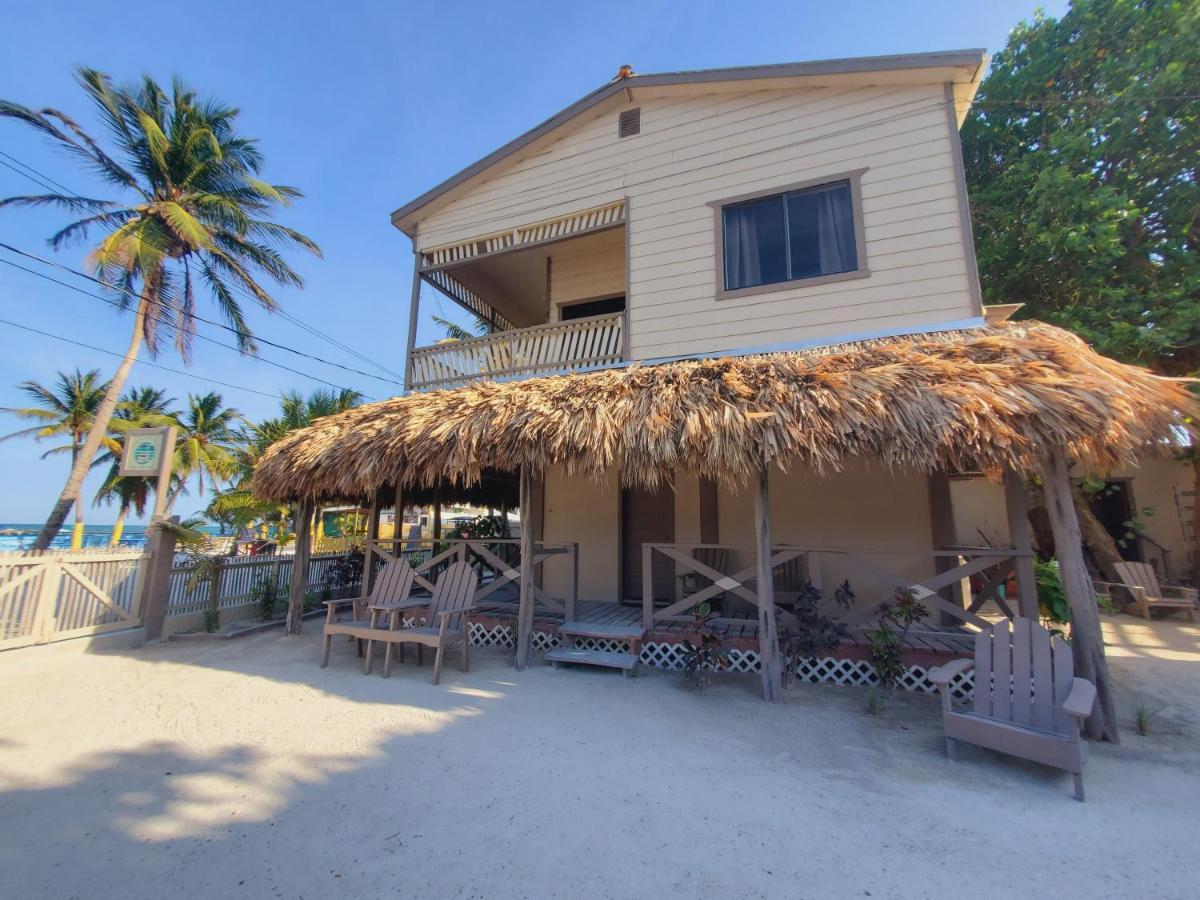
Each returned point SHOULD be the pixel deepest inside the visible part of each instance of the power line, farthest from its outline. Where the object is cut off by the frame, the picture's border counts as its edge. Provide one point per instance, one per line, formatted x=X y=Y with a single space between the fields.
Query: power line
x=311 y=329
x=134 y=295
x=139 y=362
x=202 y=337
x=40 y=175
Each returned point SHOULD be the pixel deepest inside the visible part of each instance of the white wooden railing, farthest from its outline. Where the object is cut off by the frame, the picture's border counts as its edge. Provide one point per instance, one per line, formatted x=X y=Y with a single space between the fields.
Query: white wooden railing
x=590 y=343
x=235 y=580
x=58 y=594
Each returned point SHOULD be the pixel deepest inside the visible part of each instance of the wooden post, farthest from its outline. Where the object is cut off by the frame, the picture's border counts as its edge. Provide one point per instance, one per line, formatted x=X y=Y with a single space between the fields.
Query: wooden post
x=768 y=638
x=156 y=587
x=524 y=636
x=1016 y=504
x=941 y=523
x=368 y=576
x=647 y=587
x=413 y=310
x=1087 y=640
x=299 y=583
x=398 y=522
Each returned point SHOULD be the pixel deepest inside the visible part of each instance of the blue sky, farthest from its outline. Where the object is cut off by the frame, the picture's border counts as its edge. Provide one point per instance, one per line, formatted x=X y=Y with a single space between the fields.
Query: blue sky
x=363 y=106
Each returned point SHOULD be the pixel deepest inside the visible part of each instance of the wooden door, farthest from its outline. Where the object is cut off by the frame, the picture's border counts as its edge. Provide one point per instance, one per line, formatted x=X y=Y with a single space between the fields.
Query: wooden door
x=647 y=517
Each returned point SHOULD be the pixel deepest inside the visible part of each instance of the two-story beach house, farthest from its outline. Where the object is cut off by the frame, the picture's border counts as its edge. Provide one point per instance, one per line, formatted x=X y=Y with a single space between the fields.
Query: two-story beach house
x=735 y=345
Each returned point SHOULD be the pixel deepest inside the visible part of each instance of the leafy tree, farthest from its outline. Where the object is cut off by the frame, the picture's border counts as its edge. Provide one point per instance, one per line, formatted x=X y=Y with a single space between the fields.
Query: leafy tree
x=192 y=208
x=456 y=332
x=1081 y=155
x=67 y=410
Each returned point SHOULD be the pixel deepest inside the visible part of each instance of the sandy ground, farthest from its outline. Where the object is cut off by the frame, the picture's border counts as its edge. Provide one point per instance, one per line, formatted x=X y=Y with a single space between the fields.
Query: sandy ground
x=241 y=769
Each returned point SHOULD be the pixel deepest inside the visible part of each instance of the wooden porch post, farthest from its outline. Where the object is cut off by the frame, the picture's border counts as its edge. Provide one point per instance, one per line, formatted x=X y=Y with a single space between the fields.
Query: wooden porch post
x=1087 y=642
x=524 y=634
x=368 y=576
x=1016 y=504
x=768 y=638
x=299 y=583
x=941 y=521
x=413 y=310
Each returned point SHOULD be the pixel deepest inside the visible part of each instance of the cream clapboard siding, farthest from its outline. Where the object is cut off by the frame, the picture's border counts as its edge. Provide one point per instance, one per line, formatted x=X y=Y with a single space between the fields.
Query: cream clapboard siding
x=697 y=149
x=587 y=268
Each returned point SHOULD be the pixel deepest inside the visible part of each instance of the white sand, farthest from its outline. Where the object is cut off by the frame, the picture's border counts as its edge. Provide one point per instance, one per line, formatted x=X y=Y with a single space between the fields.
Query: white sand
x=241 y=769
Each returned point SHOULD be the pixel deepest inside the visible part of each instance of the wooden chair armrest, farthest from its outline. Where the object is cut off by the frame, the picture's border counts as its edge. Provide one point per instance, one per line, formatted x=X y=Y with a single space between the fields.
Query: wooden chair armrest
x=1185 y=593
x=407 y=604
x=446 y=613
x=943 y=675
x=336 y=603
x=1081 y=699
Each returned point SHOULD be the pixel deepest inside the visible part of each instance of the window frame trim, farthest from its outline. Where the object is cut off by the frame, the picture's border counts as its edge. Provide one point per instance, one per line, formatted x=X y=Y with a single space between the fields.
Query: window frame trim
x=853 y=177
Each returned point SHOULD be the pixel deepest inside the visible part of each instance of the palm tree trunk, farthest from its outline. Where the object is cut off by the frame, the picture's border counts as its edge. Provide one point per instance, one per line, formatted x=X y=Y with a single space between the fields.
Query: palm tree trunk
x=77 y=531
x=79 y=469
x=118 y=527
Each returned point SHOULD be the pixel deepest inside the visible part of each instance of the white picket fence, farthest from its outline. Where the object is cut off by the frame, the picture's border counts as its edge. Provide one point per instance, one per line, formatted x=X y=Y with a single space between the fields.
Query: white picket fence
x=238 y=576
x=59 y=594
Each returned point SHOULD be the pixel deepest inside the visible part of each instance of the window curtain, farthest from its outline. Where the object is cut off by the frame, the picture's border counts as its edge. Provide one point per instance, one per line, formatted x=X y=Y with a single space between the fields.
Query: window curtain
x=742 y=266
x=835 y=227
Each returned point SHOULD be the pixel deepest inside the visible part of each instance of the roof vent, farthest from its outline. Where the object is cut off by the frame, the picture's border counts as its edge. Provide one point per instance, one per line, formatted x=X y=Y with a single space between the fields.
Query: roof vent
x=630 y=122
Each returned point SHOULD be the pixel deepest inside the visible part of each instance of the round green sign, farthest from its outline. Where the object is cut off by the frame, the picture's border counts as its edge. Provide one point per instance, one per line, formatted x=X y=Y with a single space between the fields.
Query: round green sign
x=144 y=453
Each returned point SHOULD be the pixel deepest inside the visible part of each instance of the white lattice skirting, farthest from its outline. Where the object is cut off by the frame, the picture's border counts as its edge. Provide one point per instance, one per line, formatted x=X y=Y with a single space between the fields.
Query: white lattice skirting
x=661 y=655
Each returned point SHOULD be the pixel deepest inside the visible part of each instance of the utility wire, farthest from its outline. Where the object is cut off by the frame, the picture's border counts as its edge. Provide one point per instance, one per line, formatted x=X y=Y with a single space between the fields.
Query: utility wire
x=202 y=337
x=311 y=329
x=135 y=296
x=139 y=362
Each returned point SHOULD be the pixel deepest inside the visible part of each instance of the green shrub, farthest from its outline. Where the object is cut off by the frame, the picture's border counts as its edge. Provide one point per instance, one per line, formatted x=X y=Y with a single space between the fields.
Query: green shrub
x=266 y=595
x=1052 y=599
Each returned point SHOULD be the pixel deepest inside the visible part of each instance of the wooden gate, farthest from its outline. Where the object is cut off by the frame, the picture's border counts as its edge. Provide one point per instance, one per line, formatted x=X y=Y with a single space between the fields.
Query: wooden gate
x=55 y=595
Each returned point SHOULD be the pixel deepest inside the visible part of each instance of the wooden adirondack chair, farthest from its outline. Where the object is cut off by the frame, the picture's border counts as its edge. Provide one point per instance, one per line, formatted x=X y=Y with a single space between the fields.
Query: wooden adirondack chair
x=1028 y=702
x=392 y=587
x=1140 y=580
x=446 y=622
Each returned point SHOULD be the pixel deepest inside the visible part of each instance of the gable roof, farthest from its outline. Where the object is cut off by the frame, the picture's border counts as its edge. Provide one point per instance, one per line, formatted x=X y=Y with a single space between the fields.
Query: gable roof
x=970 y=63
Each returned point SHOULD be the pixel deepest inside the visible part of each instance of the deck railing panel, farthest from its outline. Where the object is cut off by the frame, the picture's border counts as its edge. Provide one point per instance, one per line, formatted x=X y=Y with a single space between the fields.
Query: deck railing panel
x=573 y=345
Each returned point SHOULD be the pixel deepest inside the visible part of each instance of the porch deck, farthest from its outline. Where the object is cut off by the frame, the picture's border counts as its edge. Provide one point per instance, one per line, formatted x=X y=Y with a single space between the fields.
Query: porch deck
x=931 y=644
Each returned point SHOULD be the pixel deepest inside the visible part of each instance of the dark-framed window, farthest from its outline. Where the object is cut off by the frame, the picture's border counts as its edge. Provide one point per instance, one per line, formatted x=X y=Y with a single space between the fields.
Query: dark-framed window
x=804 y=233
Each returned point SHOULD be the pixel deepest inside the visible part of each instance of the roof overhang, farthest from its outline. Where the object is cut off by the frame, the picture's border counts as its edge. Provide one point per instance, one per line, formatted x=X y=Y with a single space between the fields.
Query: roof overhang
x=963 y=69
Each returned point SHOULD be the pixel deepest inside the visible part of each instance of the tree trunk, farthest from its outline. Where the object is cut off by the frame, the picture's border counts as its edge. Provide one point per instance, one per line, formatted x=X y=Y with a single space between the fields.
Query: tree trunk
x=298 y=586
x=1101 y=544
x=79 y=469
x=1039 y=521
x=118 y=527
x=1087 y=640
x=1195 y=517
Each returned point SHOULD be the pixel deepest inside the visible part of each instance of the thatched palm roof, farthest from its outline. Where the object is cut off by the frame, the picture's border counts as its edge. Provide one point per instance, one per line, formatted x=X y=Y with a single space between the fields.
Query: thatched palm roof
x=988 y=398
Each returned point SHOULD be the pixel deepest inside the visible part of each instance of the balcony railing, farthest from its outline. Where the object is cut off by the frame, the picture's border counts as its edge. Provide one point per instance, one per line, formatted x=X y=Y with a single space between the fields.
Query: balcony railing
x=577 y=344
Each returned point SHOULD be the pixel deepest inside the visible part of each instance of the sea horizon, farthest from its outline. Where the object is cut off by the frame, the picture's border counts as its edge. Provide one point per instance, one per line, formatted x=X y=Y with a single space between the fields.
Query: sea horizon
x=19 y=536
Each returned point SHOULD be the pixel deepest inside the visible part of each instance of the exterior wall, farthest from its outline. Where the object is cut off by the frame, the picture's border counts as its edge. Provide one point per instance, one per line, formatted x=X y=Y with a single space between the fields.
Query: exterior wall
x=696 y=149
x=979 y=507
x=587 y=268
x=865 y=508
x=578 y=509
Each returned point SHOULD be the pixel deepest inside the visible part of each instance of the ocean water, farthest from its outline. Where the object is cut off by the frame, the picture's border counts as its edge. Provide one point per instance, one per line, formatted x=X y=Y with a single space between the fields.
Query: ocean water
x=20 y=536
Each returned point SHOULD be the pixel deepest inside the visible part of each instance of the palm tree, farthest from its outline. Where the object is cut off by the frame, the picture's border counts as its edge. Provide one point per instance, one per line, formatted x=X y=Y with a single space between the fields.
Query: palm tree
x=206 y=444
x=193 y=208
x=456 y=332
x=66 y=409
x=139 y=408
x=238 y=505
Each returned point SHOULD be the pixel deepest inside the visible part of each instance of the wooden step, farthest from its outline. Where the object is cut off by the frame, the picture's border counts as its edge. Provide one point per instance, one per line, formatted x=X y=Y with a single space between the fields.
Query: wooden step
x=596 y=630
x=612 y=659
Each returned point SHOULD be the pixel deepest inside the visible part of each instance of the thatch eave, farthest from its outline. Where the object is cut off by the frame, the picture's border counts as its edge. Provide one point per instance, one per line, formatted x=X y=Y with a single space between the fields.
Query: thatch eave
x=989 y=398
